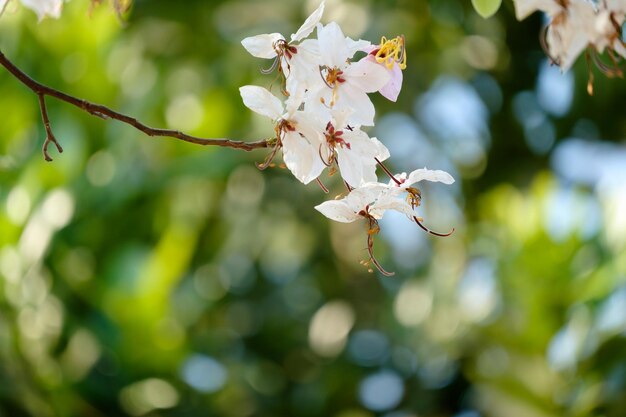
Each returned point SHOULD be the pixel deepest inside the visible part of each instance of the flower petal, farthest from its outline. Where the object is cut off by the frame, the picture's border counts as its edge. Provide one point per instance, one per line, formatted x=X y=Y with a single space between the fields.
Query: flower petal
x=523 y=8
x=309 y=24
x=301 y=157
x=355 y=99
x=428 y=175
x=357 y=163
x=391 y=90
x=335 y=48
x=262 y=46
x=43 y=8
x=388 y=202
x=382 y=153
x=261 y=101
x=365 y=195
x=367 y=76
x=302 y=69
x=337 y=210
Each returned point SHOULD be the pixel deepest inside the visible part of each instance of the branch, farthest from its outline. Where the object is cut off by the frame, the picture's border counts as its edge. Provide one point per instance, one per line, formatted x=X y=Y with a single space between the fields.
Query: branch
x=106 y=113
x=49 y=135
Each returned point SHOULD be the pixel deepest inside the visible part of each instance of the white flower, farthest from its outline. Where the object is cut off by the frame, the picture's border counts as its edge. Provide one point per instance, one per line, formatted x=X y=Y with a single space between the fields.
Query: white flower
x=298 y=135
x=403 y=183
x=373 y=199
x=422 y=174
x=576 y=25
x=524 y=8
x=368 y=201
x=353 y=150
x=43 y=8
x=570 y=32
x=264 y=46
x=296 y=58
x=344 y=85
x=391 y=55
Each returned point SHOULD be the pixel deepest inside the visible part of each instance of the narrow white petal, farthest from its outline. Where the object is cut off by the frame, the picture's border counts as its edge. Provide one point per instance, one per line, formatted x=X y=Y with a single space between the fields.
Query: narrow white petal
x=566 y=47
x=355 y=46
x=382 y=153
x=302 y=70
x=357 y=163
x=337 y=210
x=357 y=100
x=314 y=106
x=309 y=24
x=352 y=168
x=301 y=157
x=372 y=195
x=524 y=8
x=341 y=116
x=364 y=195
x=261 y=101
x=367 y=76
x=333 y=44
x=262 y=46
x=428 y=175
x=388 y=202
x=45 y=8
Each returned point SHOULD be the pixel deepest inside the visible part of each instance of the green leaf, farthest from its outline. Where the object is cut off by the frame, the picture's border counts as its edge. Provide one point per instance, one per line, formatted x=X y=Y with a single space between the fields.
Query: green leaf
x=486 y=8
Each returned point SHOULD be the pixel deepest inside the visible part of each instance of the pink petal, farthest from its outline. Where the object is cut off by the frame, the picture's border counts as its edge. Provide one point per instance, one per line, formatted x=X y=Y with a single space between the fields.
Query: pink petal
x=391 y=90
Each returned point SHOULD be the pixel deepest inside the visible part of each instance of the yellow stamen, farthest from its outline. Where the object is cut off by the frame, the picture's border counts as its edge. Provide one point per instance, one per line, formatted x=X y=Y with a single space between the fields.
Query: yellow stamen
x=392 y=52
x=332 y=76
x=414 y=197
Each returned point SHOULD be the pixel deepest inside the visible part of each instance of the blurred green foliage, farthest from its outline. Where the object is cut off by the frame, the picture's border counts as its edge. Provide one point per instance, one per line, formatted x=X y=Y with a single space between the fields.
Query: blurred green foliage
x=144 y=276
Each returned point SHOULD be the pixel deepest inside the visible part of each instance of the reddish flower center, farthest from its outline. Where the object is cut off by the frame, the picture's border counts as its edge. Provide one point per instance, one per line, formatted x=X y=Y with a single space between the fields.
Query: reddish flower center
x=335 y=137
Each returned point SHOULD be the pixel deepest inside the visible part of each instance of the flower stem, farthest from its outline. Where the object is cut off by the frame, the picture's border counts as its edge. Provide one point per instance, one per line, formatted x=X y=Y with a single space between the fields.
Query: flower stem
x=387 y=172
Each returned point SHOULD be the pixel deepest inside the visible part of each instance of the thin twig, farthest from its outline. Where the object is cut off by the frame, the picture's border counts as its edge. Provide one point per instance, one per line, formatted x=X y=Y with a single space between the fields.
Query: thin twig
x=105 y=112
x=49 y=135
x=322 y=186
x=398 y=182
x=427 y=230
x=373 y=229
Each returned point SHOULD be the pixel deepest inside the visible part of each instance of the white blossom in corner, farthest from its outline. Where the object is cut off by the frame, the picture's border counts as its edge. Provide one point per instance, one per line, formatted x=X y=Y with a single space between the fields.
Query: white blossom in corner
x=297 y=58
x=295 y=130
x=578 y=25
x=341 y=84
x=524 y=8
x=43 y=8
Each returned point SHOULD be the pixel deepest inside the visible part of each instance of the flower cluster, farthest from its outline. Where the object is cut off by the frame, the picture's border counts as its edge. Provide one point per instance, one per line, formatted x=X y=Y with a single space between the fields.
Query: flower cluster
x=576 y=26
x=53 y=8
x=318 y=122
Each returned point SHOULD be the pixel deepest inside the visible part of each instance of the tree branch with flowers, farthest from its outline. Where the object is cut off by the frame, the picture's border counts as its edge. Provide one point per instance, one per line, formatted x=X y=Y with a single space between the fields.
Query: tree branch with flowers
x=323 y=110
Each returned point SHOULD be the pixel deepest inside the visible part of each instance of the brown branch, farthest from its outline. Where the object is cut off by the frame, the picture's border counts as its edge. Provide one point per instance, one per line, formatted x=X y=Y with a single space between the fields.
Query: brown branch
x=49 y=135
x=105 y=113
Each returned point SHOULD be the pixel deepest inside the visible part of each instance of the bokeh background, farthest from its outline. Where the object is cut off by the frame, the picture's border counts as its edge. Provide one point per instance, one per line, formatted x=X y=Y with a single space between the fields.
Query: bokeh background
x=144 y=276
